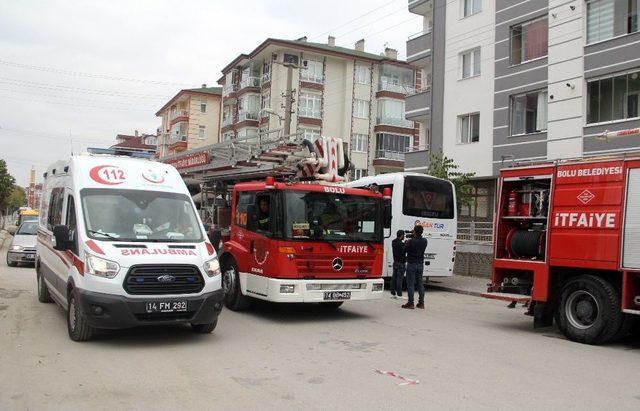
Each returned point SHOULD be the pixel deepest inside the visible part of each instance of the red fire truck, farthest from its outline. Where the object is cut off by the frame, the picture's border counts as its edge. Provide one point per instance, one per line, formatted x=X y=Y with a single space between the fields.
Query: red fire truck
x=567 y=242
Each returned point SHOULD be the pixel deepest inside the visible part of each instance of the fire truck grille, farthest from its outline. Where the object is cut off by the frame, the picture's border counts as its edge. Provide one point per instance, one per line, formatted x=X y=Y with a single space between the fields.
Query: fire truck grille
x=322 y=266
x=163 y=279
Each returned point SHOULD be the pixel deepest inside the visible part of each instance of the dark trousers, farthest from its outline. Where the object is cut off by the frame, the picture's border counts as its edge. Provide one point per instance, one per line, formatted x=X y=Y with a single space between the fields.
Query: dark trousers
x=414 y=278
x=396 y=280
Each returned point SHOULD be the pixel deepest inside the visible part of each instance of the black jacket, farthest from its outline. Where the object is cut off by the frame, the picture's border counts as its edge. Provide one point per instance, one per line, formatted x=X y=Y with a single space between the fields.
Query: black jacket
x=415 y=250
x=398 y=251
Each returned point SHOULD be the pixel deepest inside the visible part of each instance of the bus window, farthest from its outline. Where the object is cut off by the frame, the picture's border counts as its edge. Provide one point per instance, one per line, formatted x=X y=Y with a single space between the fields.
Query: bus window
x=426 y=197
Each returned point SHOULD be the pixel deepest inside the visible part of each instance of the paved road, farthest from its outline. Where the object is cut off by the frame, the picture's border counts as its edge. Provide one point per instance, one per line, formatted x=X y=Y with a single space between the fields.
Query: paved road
x=466 y=352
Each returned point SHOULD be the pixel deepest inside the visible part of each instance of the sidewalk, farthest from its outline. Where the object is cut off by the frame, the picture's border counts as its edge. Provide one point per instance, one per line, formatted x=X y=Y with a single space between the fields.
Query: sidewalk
x=460 y=284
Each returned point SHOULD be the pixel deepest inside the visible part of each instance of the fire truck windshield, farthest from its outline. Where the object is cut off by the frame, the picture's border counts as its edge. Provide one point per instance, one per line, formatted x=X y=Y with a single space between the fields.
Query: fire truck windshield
x=137 y=215
x=334 y=217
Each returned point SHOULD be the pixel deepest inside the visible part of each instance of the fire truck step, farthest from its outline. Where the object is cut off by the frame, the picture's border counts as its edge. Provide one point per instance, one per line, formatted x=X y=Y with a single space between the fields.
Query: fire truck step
x=507 y=297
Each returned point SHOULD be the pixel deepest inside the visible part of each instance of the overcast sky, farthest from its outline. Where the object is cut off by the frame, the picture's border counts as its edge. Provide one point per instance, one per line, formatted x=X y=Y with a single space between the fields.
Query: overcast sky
x=76 y=73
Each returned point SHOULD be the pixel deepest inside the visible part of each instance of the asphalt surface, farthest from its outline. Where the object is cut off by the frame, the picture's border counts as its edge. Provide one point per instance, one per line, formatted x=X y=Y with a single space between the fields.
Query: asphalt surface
x=464 y=351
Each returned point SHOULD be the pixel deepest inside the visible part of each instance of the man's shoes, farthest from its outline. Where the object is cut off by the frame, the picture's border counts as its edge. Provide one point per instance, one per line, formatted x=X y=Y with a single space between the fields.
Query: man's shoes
x=399 y=295
x=420 y=306
x=393 y=293
x=408 y=306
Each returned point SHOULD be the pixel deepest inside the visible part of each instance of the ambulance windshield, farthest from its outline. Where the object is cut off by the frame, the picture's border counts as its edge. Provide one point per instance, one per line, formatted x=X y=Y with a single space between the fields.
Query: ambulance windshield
x=335 y=217
x=136 y=215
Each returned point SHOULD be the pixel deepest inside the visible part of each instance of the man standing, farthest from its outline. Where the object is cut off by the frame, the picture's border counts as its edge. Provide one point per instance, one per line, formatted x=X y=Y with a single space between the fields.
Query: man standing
x=399 y=264
x=415 y=265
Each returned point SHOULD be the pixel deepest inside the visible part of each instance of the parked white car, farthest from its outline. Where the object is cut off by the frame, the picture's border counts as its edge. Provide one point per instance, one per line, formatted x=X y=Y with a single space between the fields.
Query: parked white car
x=23 y=246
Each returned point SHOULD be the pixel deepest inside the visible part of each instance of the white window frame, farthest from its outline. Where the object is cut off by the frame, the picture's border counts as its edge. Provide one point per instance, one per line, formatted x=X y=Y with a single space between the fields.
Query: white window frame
x=363 y=74
x=625 y=106
x=468 y=127
x=359 y=173
x=311 y=134
x=201 y=132
x=359 y=143
x=475 y=63
x=314 y=72
x=523 y=24
x=512 y=101
x=603 y=36
x=474 y=7
x=203 y=106
x=310 y=105
x=360 y=108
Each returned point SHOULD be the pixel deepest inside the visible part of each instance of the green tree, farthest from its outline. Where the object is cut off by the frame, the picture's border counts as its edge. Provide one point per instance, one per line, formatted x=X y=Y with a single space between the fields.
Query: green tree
x=6 y=184
x=442 y=166
x=17 y=198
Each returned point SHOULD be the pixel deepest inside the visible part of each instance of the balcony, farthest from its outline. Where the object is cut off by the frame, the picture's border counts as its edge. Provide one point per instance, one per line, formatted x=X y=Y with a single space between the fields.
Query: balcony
x=266 y=77
x=419 y=47
x=421 y=7
x=390 y=86
x=228 y=89
x=394 y=121
x=250 y=81
x=389 y=155
x=418 y=105
x=247 y=115
x=227 y=121
x=178 y=116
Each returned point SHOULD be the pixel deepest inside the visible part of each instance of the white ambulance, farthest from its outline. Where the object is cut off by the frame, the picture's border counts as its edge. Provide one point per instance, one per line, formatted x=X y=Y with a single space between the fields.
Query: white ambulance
x=120 y=244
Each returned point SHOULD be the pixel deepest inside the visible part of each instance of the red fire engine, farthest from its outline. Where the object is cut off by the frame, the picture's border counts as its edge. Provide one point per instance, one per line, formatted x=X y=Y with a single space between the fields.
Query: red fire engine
x=567 y=241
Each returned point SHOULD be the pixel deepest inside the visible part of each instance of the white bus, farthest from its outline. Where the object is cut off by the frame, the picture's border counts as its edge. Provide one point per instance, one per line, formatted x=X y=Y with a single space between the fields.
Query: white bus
x=429 y=202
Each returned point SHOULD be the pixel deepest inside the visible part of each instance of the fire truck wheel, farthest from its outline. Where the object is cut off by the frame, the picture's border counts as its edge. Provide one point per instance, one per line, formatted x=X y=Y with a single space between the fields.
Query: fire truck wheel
x=233 y=298
x=589 y=310
x=332 y=305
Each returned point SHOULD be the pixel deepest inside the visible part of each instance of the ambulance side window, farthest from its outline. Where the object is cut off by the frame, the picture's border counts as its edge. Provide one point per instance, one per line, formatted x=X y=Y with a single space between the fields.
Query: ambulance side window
x=72 y=224
x=55 y=207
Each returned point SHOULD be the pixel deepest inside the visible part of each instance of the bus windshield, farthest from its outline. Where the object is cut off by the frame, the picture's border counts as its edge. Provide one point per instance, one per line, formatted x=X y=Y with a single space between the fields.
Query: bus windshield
x=427 y=197
x=137 y=215
x=333 y=217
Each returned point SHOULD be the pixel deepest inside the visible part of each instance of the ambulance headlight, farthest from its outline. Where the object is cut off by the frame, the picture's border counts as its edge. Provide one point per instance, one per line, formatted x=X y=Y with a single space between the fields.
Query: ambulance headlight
x=100 y=267
x=212 y=267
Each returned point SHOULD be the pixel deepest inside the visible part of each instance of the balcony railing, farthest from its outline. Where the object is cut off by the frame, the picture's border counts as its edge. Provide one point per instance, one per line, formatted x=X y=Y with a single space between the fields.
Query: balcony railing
x=395 y=87
x=228 y=89
x=311 y=79
x=394 y=121
x=247 y=115
x=227 y=121
x=250 y=82
x=179 y=113
x=419 y=34
x=266 y=77
x=389 y=155
x=307 y=112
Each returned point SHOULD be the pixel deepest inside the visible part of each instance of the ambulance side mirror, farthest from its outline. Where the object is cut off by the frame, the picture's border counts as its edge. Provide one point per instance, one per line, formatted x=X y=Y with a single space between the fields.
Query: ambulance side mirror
x=61 y=235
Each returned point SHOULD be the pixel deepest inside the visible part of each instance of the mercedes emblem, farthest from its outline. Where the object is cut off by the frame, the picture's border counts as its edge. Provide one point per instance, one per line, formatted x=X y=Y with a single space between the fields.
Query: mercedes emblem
x=337 y=264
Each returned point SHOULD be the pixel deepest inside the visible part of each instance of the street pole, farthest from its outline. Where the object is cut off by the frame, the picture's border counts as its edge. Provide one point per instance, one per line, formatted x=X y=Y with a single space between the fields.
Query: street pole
x=288 y=100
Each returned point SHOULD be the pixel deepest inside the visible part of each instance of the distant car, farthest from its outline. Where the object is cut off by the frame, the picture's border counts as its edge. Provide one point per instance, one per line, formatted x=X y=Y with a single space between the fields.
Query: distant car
x=23 y=246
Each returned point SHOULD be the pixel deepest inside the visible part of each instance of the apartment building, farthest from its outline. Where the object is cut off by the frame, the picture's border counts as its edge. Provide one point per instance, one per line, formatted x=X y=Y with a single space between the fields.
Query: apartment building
x=521 y=81
x=191 y=119
x=333 y=91
x=142 y=143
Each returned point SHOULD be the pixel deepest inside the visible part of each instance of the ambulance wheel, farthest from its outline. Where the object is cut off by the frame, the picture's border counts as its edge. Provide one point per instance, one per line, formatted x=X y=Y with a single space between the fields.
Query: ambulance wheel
x=589 y=310
x=43 y=291
x=233 y=298
x=334 y=305
x=79 y=329
x=204 y=328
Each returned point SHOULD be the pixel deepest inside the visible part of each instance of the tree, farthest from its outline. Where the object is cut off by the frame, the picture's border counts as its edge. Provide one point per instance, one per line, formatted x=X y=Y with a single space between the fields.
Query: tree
x=6 y=184
x=442 y=166
x=17 y=198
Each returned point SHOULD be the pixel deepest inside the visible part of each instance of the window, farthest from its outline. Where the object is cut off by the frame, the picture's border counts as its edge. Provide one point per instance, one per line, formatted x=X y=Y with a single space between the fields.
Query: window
x=56 y=199
x=360 y=143
x=358 y=173
x=391 y=112
x=363 y=74
x=311 y=134
x=470 y=62
x=227 y=136
x=392 y=146
x=470 y=7
x=614 y=98
x=203 y=106
x=264 y=103
x=70 y=221
x=201 y=132
x=529 y=113
x=248 y=107
x=313 y=71
x=611 y=18
x=309 y=105
x=469 y=131
x=529 y=40
x=427 y=197
x=360 y=108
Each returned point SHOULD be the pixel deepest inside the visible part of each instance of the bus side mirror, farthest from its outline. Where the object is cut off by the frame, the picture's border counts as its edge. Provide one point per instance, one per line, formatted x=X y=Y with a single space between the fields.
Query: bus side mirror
x=251 y=217
x=61 y=235
x=386 y=214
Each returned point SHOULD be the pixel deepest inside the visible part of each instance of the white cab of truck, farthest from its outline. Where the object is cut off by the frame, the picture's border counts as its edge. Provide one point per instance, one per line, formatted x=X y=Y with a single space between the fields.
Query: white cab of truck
x=120 y=245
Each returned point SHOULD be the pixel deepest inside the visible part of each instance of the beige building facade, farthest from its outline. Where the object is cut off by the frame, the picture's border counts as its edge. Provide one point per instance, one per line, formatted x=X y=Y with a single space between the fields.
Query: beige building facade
x=191 y=119
x=334 y=91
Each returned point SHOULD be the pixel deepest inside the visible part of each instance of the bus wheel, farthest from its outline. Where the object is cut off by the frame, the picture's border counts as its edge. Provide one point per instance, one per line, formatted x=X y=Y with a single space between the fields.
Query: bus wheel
x=233 y=298
x=589 y=310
